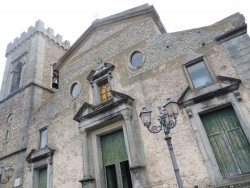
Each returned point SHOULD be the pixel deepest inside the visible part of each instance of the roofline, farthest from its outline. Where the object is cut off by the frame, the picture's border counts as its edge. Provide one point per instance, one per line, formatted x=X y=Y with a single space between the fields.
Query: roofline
x=143 y=9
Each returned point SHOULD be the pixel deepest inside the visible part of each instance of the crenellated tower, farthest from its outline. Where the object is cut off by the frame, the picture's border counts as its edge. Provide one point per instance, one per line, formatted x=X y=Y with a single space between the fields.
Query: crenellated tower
x=26 y=85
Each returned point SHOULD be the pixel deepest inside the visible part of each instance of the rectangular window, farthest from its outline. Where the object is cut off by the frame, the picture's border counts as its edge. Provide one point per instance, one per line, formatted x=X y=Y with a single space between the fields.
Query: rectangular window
x=42 y=178
x=16 y=78
x=105 y=94
x=7 y=134
x=199 y=74
x=43 y=138
x=55 y=81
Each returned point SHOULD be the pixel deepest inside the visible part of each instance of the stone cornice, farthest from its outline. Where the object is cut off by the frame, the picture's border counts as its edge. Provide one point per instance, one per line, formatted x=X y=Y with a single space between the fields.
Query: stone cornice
x=13 y=153
x=232 y=33
x=108 y=109
x=36 y=155
x=222 y=86
x=86 y=180
x=32 y=31
x=24 y=87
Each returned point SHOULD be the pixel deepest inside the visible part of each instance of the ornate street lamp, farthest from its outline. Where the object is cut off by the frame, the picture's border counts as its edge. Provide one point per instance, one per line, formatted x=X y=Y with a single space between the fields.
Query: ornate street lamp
x=168 y=118
x=5 y=174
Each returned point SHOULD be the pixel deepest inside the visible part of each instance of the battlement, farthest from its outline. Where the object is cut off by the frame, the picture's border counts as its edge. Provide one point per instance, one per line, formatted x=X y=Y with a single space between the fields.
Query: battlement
x=39 y=28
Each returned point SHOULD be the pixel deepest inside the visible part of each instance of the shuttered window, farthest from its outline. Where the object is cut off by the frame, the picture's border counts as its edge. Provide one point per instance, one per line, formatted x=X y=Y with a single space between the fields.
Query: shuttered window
x=42 y=181
x=228 y=141
x=104 y=91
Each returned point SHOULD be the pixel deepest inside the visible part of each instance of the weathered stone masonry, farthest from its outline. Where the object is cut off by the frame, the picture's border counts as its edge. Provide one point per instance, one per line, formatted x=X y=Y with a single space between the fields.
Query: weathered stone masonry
x=34 y=90
x=76 y=125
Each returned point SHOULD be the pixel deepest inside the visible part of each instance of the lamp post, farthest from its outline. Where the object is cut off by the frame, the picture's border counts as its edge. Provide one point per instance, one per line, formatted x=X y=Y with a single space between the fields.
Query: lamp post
x=168 y=118
x=5 y=174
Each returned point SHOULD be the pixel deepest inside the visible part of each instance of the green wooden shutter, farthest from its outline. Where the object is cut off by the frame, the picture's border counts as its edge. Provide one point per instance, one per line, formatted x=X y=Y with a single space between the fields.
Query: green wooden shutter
x=42 y=183
x=113 y=154
x=228 y=141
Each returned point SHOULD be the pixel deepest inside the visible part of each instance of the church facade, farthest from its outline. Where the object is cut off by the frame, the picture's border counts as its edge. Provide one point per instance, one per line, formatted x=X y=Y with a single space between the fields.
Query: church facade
x=70 y=115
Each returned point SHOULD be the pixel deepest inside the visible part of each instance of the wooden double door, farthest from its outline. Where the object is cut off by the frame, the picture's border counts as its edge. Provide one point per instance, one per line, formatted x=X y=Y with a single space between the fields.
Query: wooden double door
x=228 y=141
x=115 y=160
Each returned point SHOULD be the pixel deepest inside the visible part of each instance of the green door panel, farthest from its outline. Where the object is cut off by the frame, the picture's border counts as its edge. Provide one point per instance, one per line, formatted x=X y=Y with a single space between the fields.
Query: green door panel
x=223 y=156
x=228 y=141
x=42 y=182
x=241 y=149
x=111 y=176
x=113 y=148
x=113 y=153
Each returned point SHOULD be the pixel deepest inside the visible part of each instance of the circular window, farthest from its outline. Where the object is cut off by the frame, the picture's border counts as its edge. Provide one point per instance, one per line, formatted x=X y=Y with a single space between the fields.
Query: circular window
x=136 y=59
x=75 y=90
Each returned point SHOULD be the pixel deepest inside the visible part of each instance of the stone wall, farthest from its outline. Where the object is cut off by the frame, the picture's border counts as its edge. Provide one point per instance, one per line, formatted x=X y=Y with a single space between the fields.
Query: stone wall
x=34 y=90
x=150 y=85
x=161 y=76
x=10 y=119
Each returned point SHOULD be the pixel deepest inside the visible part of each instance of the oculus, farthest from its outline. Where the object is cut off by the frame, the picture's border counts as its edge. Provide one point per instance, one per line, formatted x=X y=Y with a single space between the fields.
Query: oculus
x=75 y=90
x=136 y=59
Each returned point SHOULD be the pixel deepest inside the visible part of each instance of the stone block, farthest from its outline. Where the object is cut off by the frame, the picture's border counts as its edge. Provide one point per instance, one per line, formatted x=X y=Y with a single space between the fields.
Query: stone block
x=39 y=25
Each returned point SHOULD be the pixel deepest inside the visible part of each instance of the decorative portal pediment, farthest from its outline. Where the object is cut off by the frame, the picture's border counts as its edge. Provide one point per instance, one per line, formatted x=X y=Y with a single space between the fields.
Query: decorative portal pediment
x=85 y=109
x=223 y=86
x=37 y=155
x=101 y=70
x=91 y=114
x=117 y=113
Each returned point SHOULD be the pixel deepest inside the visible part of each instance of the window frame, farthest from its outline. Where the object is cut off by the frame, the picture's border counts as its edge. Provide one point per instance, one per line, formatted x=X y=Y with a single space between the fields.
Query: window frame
x=19 y=74
x=102 y=72
x=40 y=137
x=35 y=174
x=38 y=174
x=129 y=63
x=96 y=88
x=76 y=82
x=193 y=62
x=104 y=81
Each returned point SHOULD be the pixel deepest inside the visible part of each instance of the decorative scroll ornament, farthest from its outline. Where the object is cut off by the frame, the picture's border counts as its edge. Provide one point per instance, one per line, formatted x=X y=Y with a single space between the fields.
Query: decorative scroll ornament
x=237 y=96
x=189 y=112
x=100 y=65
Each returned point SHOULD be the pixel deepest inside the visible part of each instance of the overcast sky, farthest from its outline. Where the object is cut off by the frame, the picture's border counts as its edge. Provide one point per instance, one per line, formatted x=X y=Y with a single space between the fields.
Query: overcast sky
x=70 y=18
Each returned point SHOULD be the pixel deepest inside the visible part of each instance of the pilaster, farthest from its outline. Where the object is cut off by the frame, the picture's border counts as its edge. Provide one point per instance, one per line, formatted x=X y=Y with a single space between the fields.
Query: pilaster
x=31 y=177
x=87 y=181
x=36 y=61
x=127 y=115
x=6 y=83
x=137 y=166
